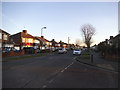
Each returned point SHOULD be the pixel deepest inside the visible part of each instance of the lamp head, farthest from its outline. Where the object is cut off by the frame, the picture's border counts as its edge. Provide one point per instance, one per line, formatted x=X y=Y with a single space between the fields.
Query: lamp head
x=44 y=27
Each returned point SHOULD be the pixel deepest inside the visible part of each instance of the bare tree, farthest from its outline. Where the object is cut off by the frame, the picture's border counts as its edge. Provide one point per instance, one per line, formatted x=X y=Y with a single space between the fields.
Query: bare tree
x=87 y=31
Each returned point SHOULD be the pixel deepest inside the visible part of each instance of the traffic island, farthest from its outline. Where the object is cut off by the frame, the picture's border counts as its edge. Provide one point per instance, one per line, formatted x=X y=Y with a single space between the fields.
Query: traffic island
x=85 y=58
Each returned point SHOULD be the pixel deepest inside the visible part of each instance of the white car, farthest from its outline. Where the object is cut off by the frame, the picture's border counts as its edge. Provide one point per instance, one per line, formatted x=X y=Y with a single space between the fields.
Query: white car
x=77 y=52
x=62 y=50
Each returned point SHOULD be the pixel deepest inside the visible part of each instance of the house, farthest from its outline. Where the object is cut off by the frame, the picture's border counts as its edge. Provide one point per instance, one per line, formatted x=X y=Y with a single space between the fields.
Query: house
x=5 y=40
x=110 y=47
x=45 y=44
x=62 y=44
x=37 y=42
x=55 y=45
x=23 y=39
x=0 y=39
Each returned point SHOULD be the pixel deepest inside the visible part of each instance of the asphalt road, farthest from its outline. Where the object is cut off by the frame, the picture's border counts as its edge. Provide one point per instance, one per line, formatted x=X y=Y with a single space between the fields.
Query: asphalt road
x=55 y=71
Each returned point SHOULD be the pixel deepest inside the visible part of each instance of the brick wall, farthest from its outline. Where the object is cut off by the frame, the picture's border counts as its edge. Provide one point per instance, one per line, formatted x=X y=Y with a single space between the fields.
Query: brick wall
x=113 y=57
x=12 y=53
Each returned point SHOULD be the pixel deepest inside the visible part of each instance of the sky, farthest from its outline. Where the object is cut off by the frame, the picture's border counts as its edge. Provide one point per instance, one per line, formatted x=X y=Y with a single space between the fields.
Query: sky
x=62 y=19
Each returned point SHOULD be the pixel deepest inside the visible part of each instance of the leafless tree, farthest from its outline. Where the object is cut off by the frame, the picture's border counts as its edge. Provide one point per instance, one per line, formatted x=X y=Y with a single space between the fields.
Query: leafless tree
x=87 y=31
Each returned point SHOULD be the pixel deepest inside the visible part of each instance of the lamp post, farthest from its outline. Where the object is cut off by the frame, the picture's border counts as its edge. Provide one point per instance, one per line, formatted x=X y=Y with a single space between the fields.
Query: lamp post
x=41 y=35
x=42 y=30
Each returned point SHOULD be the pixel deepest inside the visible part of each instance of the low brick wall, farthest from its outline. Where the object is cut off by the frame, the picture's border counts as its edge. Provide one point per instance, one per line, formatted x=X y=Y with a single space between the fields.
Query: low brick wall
x=35 y=52
x=113 y=57
x=12 y=53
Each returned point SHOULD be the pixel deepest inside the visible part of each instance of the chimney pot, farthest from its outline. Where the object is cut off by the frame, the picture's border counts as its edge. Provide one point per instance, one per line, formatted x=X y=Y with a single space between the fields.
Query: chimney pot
x=111 y=37
x=25 y=31
x=42 y=36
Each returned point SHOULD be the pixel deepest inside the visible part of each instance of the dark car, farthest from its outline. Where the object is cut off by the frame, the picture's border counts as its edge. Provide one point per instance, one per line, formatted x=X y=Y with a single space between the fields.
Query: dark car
x=29 y=50
x=6 y=50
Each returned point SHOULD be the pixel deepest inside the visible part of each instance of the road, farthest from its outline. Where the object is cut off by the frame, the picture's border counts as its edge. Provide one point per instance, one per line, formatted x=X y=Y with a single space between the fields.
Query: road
x=55 y=71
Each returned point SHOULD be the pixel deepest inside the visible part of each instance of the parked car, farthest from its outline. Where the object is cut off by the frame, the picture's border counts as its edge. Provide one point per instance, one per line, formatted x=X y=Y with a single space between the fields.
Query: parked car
x=52 y=49
x=6 y=50
x=62 y=50
x=37 y=50
x=15 y=50
x=76 y=52
x=29 y=50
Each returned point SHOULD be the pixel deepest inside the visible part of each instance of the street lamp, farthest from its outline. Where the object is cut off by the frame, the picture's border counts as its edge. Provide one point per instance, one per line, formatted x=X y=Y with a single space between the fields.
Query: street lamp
x=42 y=30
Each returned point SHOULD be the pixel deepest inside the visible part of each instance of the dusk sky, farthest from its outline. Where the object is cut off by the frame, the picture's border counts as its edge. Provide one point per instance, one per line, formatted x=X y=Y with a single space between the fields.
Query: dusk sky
x=62 y=19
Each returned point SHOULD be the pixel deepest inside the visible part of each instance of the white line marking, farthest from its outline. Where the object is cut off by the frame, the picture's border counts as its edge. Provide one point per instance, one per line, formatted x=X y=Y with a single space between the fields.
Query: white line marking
x=67 y=67
x=44 y=86
x=63 y=70
x=51 y=81
x=74 y=58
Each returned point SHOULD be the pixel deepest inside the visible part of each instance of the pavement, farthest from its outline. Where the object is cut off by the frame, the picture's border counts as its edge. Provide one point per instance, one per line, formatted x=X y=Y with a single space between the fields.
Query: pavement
x=100 y=62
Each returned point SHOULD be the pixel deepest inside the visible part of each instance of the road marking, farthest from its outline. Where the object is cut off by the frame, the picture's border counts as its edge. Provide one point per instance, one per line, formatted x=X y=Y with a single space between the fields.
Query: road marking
x=51 y=81
x=63 y=70
x=44 y=86
x=67 y=67
x=74 y=58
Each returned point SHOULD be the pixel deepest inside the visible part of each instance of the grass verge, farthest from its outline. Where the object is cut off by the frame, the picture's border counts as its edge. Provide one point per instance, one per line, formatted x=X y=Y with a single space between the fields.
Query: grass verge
x=24 y=57
x=84 y=57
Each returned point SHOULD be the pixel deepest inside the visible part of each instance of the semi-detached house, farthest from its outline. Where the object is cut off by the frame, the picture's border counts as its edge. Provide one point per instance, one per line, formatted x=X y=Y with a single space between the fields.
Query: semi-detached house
x=5 y=40
x=45 y=44
x=23 y=39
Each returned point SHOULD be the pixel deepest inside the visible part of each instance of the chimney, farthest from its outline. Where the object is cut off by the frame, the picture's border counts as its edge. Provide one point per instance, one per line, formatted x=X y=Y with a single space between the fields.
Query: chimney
x=106 y=41
x=42 y=36
x=25 y=31
x=111 y=37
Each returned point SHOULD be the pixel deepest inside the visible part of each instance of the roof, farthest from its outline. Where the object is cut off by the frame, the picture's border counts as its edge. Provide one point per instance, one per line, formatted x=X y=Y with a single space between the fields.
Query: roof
x=43 y=39
x=4 y=31
x=117 y=36
x=26 y=35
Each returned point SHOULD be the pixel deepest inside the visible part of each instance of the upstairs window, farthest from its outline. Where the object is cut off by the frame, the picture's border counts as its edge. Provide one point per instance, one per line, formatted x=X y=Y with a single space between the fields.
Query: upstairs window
x=30 y=40
x=5 y=37
x=0 y=35
x=23 y=40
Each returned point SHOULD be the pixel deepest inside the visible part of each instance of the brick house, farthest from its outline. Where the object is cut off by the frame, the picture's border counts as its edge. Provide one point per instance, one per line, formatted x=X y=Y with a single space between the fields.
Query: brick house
x=62 y=44
x=45 y=44
x=23 y=39
x=5 y=40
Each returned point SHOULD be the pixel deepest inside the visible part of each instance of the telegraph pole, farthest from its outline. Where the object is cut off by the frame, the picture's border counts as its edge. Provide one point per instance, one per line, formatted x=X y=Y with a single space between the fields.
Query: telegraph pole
x=68 y=39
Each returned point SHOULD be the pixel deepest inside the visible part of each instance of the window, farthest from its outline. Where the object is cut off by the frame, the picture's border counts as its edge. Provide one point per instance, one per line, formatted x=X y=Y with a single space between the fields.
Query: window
x=0 y=45
x=47 y=43
x=0 y=35
x=23 y=40
x=30 y=40
x=36 y=41
x=5 y=37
